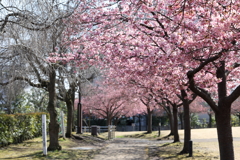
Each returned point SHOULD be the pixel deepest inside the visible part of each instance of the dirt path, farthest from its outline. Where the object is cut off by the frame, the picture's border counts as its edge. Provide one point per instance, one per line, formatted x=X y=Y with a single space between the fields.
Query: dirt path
x=128 y=149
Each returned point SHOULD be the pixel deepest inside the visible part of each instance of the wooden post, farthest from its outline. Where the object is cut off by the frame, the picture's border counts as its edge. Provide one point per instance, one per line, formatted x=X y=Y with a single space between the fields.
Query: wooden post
x=109 y=132
x=44 y=134
x=63 y=126
x=190 y=148
x=159 y=129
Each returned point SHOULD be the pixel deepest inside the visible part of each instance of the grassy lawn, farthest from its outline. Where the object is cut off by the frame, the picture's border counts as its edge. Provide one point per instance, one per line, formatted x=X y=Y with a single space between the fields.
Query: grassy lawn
x=205 y=145
x=32 y=149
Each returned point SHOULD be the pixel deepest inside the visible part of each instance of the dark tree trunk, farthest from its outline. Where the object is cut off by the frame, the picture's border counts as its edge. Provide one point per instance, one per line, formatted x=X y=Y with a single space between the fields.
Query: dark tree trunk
x=109 y=121
x=222 y=110
x=116 y=121
x=224 y=131
x=109 y=118
x=187 y=126
x=170 y=117
x=223 y=118
x=53 y=125
x=149 y=121
x=73 y=123
x=69 y=118
x=210 y=121
x=139 y=119
x=79 y=113
x=181 y=120
x=70 y=97
x=175 y=123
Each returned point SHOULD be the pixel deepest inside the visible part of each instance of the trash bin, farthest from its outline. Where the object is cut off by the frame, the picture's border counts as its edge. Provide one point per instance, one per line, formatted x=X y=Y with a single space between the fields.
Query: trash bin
x=94 y=130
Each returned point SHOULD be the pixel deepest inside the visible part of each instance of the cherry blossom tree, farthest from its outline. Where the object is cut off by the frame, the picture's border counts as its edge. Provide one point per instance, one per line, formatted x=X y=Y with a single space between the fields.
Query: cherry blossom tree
x=150 y=104
x=110 y=102
x=200 y=36
x=197 y=106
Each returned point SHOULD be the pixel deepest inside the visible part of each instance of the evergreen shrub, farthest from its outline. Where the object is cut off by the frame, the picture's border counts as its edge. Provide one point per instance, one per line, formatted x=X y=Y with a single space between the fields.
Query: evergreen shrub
x=15 y=128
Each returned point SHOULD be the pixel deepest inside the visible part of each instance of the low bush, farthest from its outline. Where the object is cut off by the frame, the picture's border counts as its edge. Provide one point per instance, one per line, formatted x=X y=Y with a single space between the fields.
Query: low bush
x=15 y=128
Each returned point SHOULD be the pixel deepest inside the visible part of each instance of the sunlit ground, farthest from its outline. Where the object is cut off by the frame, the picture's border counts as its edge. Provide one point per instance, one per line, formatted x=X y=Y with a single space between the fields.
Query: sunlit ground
x=204 y=145
x=204 y=140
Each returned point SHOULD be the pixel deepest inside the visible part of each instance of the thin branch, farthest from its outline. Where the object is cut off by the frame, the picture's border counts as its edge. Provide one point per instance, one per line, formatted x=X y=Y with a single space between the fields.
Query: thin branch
x=38 y=85
x=234 y=95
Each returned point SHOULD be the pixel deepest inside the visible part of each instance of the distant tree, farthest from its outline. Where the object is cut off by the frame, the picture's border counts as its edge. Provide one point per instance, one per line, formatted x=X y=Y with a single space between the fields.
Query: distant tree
x=110 y=102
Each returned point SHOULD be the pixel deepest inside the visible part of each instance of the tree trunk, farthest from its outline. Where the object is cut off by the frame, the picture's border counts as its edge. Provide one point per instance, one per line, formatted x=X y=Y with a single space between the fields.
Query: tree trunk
x=69 y=118
x=175 y=123
x=79 y=112
x=149 y=121
x=116 y=121
x=170 y=117
x=187 y=125
x=53 y=125
x=223 y=117
x=224 y=131
x=70 y=97
x=109 y=119
x=181 y=120
x=222 y=111
x=210 y=121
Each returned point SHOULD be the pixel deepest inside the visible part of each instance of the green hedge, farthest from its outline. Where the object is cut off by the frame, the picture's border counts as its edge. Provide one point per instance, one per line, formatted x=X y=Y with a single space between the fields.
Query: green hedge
x=15 y=128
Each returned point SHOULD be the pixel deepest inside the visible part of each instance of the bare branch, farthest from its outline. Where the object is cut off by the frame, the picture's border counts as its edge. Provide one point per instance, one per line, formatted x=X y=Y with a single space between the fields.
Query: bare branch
x=43 y=84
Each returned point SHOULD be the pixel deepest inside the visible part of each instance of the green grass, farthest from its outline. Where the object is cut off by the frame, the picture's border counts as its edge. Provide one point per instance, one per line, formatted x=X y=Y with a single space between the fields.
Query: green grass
x=202 y=150
x=207 y=149
x=32 y=149
x=171 y=150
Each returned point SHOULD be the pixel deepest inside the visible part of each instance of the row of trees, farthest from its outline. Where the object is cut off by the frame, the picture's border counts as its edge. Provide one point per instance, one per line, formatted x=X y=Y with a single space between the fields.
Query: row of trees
x=170 y=51
x=166 y=53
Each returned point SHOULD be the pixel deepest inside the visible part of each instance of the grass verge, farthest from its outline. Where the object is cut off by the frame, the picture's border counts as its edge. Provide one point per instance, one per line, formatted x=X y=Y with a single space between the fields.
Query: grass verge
x=32 y=149
x=171 y=150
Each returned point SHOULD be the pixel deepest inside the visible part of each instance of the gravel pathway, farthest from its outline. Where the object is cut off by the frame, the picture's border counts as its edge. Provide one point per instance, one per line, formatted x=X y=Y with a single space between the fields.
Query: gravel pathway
x=128 y=149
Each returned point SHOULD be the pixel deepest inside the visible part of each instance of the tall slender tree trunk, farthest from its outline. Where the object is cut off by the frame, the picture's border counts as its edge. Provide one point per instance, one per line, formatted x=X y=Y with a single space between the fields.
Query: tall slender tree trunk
x=222 y=110
x=149 y=121
x=181 y=120
x=223 y=117
x=170 y=117
x=224 y=131
x=69 y=118
x=116 y=121
x=187 y=126
x=109 y=121
x=210 y=121
x=70 y=104
x=139 y=121
x=109 y=118
x=79 y=112
x=175 y=123
x=53 y=125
